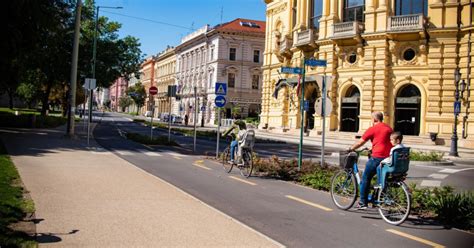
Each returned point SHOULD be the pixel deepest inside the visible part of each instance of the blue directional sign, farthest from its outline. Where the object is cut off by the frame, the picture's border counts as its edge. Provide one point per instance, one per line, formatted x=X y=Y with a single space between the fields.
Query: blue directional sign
x=221 y=89
x=203 y=108
x=291 y=70
x=457 y=107
x=316 y=62
x=220 y=101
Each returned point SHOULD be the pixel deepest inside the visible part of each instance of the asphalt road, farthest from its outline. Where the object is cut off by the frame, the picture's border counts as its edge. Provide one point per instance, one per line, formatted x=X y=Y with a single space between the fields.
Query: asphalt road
x=459 y=176
x=293 y=215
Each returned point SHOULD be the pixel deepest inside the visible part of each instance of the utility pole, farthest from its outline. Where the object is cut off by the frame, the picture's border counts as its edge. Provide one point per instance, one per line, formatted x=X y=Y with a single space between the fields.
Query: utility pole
x=75 y=54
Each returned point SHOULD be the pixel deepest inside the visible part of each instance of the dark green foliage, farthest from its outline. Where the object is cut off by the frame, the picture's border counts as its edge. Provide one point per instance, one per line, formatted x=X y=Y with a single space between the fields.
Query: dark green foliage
x=138 y=94
x=30 y=120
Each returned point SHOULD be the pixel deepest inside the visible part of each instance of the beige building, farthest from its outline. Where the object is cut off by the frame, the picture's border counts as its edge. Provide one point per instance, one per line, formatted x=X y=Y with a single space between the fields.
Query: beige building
x=147 y=78
x=395 y=56
x=165 y=71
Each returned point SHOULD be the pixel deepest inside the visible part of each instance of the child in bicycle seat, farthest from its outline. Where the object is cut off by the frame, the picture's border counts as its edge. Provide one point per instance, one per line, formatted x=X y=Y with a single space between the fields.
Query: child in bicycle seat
x=396 y=139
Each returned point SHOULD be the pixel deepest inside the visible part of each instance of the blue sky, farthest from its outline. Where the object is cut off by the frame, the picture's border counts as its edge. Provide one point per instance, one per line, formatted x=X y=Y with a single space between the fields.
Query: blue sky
x=154 y=37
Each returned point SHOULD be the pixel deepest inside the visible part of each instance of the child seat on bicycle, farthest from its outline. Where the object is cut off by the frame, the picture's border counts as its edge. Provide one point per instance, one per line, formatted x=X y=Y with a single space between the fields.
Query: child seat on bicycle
x=398 y=166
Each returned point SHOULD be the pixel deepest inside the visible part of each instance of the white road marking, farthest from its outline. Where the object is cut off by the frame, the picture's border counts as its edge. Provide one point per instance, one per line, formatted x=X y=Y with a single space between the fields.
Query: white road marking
x=450 y=171
x=174 y=154
x=438 y=176
x=430 y=183
x=124 y=153
x=152 y=154
x=128 y=119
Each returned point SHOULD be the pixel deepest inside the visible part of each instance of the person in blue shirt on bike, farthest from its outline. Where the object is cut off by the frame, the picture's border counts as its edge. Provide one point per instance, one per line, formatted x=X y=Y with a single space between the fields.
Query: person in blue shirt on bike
x=237 y=131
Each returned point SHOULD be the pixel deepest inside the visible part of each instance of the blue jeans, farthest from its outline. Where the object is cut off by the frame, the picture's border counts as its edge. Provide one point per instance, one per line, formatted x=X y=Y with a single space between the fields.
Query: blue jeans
x=233 y=146
x=369 y=172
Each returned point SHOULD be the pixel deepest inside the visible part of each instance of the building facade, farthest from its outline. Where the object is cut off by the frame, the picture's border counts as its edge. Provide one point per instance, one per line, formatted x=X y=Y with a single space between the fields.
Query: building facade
x=230 y=53
x=394 y=56
x=116 y=91
x=147 y=78
x=165 y=72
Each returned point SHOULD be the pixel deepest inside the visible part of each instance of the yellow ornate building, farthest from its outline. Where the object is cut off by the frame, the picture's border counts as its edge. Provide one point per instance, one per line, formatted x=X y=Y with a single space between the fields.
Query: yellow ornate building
x=165 y=70
x=395 y=56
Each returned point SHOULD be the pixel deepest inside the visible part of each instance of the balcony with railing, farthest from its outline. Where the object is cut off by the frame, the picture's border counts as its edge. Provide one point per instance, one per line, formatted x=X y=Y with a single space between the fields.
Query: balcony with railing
x=347 y=29
x=305 y=37
x=406 y=23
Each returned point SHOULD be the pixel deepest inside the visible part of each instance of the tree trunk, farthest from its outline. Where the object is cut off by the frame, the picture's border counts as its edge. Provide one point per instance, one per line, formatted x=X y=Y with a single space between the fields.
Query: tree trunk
x=45 y=99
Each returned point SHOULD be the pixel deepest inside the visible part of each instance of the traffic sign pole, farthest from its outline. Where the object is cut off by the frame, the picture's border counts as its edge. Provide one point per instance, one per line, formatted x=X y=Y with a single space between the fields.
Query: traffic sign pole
x=300 y=151
x=323 y=112
x=169 y=121
x=152 y=114
x=218 y=131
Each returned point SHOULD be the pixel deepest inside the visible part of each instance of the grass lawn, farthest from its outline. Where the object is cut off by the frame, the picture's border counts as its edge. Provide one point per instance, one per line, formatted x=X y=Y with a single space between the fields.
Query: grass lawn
x=29 y=118
x=13 y=207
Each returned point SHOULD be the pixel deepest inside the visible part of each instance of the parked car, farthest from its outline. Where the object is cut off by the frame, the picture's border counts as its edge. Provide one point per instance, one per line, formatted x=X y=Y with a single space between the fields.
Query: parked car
x=148 y=113
x=174 y=118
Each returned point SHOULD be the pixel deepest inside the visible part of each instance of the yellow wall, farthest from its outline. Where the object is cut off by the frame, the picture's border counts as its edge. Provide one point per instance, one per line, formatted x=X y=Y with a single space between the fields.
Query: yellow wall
x=165 y=69
x=379 y=71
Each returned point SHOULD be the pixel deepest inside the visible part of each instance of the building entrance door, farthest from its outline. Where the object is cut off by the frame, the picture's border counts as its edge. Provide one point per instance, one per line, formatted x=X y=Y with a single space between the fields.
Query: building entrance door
x=407 y=110
x=350 y=110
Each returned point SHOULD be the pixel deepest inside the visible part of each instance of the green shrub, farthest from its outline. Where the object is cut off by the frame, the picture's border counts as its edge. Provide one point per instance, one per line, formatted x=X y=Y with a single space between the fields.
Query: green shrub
x=425 y=156
x=158 y=140
x=30 y=120
x=455 y=209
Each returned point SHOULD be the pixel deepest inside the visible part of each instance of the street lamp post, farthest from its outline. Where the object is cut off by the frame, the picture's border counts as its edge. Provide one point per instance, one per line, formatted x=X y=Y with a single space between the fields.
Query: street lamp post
x=457 y=96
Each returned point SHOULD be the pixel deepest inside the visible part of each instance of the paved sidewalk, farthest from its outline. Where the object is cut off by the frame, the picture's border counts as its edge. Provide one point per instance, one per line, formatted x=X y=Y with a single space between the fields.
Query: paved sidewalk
x=87 y=197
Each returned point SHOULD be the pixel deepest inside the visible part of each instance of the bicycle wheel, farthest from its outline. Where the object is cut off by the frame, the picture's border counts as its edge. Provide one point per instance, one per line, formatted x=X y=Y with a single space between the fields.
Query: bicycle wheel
x=394 y=203
x=225 y=157
x=344 y=189
x=247 y=167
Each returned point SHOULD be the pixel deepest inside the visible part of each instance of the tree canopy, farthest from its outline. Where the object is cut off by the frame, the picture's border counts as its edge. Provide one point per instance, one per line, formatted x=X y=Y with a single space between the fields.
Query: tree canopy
x=37 y=51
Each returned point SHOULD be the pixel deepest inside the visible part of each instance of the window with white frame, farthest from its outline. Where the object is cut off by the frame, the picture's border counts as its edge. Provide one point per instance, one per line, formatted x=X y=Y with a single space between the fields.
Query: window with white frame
x=231 y=80
x=255 y=79
x=256 y=56
x=232 y=53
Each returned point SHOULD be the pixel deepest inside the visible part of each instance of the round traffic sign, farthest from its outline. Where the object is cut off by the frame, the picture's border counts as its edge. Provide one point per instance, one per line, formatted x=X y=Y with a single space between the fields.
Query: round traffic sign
x=319 y=106
x=220 y=101
x=153 y=90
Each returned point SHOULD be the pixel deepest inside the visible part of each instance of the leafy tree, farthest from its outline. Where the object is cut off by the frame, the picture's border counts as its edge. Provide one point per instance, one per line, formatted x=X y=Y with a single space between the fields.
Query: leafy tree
x=125 y=102
x=40 y=38
x=138 y=94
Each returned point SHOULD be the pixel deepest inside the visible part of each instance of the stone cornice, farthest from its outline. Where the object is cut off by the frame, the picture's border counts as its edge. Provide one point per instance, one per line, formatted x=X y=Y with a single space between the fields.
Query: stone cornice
x=277 y=9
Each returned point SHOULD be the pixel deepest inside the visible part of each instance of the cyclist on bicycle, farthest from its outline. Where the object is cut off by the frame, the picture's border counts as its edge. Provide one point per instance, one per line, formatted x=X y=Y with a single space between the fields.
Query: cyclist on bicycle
x=379 y=135
x=237 y=131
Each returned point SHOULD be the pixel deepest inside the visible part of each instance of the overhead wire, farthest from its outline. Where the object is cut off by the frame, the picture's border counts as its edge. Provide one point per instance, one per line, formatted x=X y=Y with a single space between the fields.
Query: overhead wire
x=150 y=20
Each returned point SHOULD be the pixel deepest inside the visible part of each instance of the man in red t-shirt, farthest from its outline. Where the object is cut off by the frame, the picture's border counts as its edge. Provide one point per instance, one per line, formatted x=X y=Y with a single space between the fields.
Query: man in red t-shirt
x=379 y=136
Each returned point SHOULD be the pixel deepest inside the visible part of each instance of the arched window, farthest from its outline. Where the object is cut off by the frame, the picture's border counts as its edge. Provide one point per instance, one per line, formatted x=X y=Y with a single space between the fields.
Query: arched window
x=409 y=91
x=354 y=10
x=409 y=7
x=316 y=13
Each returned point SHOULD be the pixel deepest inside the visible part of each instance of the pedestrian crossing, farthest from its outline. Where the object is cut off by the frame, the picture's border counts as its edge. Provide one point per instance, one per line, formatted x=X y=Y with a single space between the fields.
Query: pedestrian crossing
x=435 y=179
